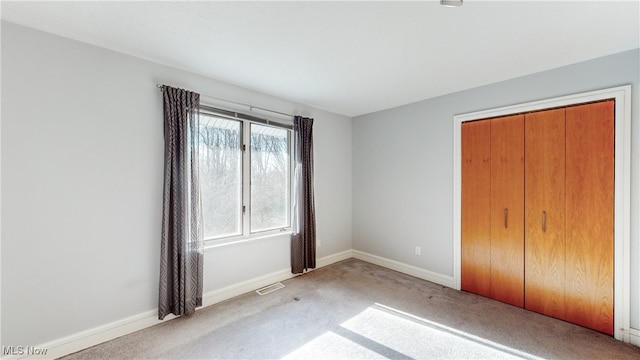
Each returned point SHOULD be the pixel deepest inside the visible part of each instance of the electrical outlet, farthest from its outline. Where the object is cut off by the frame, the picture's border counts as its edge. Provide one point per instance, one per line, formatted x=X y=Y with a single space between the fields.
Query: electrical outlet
x=418 y=250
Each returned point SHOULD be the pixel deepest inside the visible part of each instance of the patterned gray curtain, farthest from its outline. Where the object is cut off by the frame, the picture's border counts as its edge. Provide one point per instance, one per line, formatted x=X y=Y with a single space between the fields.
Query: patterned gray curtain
x=303 y=238
x=181 y=258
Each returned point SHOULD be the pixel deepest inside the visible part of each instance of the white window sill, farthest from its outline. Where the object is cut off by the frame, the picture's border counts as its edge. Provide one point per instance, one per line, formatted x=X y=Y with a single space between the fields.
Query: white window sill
x=212 y=244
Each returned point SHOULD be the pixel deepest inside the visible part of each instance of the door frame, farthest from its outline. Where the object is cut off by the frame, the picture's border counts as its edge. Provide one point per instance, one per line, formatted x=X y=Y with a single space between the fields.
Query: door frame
x=622 y=187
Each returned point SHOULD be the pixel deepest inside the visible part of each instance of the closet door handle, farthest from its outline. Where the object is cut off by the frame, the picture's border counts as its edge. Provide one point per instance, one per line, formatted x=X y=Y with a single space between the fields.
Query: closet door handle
x=506 y=216
x=544 y=221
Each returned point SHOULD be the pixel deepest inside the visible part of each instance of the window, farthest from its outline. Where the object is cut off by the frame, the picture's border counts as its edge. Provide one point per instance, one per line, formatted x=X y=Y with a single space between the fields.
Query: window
x=220 y=176
x=270 y=178
x=245 y=175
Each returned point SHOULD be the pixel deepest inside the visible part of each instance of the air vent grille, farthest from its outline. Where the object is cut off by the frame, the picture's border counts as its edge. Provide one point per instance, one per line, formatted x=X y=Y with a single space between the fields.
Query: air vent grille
x=271 y=288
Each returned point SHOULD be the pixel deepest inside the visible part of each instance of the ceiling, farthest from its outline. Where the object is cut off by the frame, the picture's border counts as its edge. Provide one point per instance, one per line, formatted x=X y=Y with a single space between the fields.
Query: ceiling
x=347 y=57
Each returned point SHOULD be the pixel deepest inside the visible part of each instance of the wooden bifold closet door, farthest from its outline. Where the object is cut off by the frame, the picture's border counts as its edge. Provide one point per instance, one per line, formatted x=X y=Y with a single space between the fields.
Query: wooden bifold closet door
x=492 y=208
x=507 y=209
x=538 y=211
x=545 y=212
x=590 y=215
x=476 y=203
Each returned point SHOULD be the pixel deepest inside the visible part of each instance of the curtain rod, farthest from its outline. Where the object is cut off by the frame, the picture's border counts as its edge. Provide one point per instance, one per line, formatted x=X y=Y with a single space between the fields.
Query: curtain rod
x=251 y=107
x=240 y=116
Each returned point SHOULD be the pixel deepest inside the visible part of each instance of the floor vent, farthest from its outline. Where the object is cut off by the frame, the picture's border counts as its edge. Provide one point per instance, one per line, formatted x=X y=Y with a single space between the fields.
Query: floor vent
x=271 y=288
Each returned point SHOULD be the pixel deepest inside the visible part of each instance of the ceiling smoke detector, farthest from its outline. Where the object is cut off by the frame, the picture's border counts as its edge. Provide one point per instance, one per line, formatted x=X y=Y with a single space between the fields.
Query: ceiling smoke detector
x=451 y=3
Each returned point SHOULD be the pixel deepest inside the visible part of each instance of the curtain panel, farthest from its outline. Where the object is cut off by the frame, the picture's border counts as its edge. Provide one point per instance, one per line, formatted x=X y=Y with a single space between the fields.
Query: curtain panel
x=181 y=260
x=303 y=238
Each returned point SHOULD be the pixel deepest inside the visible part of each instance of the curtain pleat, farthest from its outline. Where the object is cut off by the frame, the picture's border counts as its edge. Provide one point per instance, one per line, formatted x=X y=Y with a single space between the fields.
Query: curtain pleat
x=303 y=238
x=181 y=261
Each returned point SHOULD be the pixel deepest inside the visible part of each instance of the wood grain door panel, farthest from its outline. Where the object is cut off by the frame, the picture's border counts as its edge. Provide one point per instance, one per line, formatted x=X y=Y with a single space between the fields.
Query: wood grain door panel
x=476 y=201
x=545 y=212
x=538 y=212
x=589 y=215
x=507 y=209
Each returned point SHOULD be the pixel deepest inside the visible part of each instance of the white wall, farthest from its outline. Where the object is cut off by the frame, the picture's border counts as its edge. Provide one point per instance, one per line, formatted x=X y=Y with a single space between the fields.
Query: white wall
x=403 y=164
x=82 y=170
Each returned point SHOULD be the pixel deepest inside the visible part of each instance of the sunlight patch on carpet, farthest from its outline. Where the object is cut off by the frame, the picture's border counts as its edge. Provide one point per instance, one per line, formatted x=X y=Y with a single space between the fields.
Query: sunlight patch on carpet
x=419 y=337
x=382 y=332
x=332 y=346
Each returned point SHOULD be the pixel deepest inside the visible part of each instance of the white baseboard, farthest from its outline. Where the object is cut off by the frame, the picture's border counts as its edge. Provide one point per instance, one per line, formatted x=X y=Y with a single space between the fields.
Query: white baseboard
x=328 y=260
x=110 y=331
x=91 y=337
x=406 y=269
x=100 y=334
x=634 y=336
x=244 y=287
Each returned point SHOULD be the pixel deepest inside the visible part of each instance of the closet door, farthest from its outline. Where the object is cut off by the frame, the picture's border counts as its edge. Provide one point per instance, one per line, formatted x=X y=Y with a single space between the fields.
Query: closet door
x=589 y=215
x=545 y=212
x=476 y=201
x=507 y=209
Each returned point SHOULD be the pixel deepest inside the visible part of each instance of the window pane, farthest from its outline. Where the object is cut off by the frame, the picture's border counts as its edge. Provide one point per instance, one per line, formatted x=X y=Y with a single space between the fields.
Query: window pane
x=269 y=178
x=220 y=176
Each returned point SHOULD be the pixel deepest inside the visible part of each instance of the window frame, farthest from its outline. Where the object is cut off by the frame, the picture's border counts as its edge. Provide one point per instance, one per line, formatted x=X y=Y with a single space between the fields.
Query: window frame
x=246 y=121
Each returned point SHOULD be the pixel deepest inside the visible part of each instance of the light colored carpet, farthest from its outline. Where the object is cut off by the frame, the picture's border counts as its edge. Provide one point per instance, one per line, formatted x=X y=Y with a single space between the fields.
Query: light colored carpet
x=356 y=310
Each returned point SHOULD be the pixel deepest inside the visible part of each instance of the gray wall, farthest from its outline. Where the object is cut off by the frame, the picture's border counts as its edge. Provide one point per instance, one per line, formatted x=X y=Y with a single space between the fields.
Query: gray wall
x=403 y=163
x=81 y=162
x=82 y=156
